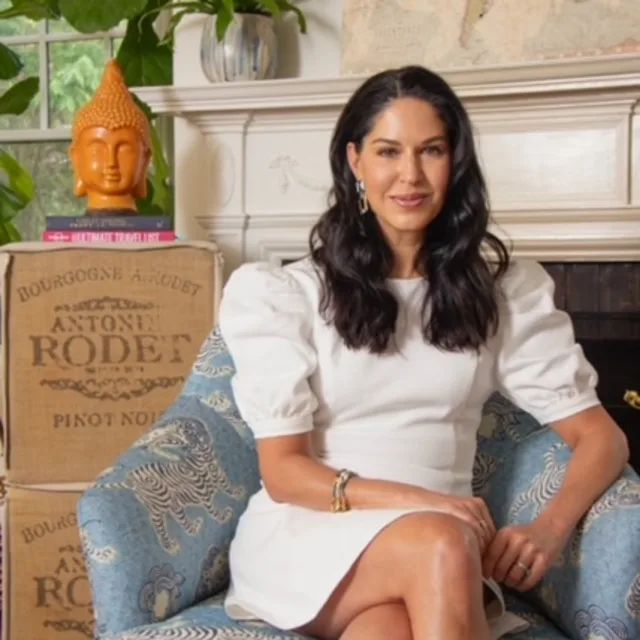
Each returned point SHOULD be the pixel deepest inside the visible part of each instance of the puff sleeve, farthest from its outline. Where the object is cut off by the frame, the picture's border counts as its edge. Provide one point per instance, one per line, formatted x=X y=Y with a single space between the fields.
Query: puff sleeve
x=540 y=366
x=265 y=319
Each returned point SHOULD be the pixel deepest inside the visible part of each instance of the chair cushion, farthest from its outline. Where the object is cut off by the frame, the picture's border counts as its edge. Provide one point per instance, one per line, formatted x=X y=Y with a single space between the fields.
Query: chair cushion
x=541 y=628
x=594 y=589
x=157 y=525
x=208 y=621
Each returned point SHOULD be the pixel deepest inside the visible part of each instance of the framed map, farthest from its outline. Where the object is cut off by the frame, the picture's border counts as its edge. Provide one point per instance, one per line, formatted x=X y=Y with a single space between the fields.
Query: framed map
x=445 y=34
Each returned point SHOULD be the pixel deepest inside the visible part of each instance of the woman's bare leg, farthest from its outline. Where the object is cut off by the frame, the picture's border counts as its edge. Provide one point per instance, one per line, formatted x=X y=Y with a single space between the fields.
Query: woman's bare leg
x=428 y=561
x=384 y=622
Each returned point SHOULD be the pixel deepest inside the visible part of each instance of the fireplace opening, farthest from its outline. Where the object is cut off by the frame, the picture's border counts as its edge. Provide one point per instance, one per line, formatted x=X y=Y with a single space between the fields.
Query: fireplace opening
x=603 y=300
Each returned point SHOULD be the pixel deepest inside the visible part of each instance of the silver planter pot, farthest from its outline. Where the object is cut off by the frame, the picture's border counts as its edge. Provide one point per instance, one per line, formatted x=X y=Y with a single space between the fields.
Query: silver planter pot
x=249 y=50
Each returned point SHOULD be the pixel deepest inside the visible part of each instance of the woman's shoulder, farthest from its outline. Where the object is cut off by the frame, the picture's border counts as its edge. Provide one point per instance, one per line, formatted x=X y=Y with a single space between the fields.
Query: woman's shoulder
x=272 y=283
x=524 y=280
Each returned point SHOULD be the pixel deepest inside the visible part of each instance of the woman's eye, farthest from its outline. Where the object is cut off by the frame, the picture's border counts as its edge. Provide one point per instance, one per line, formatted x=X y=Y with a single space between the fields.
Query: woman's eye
x=388 y=152
x=435 y=151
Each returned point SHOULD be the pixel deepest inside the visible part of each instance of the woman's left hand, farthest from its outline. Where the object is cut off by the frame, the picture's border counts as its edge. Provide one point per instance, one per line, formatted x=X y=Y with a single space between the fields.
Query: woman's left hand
x=520 y=555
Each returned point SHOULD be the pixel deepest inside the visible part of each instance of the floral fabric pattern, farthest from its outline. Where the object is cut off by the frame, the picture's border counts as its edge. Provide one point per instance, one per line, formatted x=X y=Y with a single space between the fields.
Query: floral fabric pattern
x=157 y=525
x=593 y=590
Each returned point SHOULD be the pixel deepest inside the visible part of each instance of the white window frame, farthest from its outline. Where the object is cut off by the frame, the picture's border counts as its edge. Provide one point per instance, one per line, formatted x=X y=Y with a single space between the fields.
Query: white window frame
x=43 y=38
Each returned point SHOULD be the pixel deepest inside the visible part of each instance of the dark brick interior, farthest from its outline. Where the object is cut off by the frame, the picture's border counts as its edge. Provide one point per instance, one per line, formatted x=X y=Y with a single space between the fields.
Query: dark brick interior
x=603 y=300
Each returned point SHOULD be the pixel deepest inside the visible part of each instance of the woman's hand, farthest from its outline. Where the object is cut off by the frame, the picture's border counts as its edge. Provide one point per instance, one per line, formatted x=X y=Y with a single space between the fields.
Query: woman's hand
x=520 y=555
x=472 y=511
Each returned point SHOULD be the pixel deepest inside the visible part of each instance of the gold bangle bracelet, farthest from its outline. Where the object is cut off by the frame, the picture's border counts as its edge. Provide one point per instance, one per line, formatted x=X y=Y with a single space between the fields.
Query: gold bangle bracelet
x=339 y=501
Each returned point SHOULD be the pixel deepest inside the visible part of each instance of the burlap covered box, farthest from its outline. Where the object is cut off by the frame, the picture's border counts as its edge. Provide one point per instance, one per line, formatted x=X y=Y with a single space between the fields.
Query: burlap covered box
x=97 y=341
x=46 y=587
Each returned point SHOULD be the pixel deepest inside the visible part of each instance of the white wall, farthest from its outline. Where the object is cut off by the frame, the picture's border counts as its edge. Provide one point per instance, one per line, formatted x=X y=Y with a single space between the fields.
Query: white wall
x=315 y=54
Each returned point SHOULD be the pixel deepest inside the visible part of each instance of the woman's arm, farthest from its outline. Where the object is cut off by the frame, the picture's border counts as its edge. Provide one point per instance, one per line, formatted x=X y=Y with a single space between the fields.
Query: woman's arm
x=520 y=555
x=290 y=475
x=600 y=453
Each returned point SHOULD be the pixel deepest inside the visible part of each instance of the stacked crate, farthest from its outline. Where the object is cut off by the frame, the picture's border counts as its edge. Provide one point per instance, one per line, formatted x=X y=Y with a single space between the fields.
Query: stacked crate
x=96 y=343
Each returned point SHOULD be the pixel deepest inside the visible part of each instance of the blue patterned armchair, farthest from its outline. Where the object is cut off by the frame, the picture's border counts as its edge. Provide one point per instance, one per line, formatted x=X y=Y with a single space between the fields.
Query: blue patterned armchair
x=156 y=526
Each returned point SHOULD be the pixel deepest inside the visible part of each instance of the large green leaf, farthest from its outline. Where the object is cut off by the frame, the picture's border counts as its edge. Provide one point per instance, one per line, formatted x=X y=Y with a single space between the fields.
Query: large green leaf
x=89 y=16
x=285 y=6
x=10 y=63
x=12 y=232
x=8 y=230
x=223 y=20
x=179 y=9
x=160 y=174
x=148 y=207
x=143 y=59
x=17 y=99
x=271 y=6
x=10 y=203
x=32 y=9
x=16 y=192
x=20 y=180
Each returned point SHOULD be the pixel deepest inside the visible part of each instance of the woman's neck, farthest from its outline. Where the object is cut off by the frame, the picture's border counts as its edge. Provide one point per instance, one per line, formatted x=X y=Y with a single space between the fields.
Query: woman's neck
x=404 y=267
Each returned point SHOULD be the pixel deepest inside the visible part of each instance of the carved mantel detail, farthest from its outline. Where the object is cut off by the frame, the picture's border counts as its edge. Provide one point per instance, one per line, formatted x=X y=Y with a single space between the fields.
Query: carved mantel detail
x=559 y=143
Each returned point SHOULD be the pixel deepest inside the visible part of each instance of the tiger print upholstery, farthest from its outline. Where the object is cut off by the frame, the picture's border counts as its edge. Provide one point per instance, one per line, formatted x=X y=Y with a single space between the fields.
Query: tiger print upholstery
x=156 y=526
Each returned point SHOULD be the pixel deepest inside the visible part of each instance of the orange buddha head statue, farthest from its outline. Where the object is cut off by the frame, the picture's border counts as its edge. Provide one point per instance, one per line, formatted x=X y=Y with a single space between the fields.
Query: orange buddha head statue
x=111 y=147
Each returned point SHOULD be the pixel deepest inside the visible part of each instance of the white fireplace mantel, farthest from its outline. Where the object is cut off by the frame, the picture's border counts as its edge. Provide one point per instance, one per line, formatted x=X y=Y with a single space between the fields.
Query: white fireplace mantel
x=559 y=143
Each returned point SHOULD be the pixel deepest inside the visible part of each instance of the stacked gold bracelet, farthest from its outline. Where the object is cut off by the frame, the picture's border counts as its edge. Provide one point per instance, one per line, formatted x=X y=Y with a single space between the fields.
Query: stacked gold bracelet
x=339 y=502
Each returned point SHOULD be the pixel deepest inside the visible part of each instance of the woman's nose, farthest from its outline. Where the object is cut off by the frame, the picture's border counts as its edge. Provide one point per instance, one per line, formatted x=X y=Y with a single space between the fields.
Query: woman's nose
x=411 y=169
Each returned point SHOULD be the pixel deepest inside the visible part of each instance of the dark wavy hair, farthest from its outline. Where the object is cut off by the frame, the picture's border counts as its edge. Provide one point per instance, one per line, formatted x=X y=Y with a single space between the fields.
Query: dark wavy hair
x=460 y=309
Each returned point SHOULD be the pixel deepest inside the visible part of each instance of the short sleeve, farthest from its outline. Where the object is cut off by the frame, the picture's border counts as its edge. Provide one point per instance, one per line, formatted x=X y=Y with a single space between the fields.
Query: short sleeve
x=540 y=366
x=265 y=319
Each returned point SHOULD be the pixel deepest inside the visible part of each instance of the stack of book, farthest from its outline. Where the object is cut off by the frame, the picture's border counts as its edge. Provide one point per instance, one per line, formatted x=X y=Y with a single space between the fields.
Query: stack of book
x=109 y=228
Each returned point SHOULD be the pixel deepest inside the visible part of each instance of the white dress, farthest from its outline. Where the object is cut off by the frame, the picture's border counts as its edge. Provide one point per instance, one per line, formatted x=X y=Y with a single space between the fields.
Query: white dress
x=410 y=417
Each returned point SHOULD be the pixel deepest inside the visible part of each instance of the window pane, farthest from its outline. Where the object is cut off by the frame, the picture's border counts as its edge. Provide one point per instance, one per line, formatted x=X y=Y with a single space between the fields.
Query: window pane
x=30 y=119
x=16 y=26
x=51 y=169
x=59 y=26
x=115 y=46
x=75 y=71
x=62 y=26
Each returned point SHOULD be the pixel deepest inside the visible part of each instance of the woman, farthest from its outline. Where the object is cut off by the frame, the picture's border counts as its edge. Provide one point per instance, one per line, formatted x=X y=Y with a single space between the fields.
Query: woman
x=362 y=370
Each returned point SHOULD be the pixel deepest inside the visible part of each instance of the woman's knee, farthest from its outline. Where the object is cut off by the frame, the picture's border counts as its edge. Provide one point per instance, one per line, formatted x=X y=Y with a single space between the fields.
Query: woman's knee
x=432 y=541
x=380 y=622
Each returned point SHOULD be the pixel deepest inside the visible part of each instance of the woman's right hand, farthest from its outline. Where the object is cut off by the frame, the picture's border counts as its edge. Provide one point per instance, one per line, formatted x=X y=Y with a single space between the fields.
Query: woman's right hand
x=473 y=511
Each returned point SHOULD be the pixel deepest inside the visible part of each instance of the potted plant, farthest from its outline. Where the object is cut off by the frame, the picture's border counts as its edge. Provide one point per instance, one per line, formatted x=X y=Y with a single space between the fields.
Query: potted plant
x=238 y=39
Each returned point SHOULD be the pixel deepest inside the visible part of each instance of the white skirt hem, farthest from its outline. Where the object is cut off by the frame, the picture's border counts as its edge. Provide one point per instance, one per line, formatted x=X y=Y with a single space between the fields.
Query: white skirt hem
x=282 y=602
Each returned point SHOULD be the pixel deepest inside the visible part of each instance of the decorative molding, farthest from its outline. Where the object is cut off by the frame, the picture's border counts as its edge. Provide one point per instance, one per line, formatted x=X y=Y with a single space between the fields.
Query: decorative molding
x=220 y=122
x=571 y=235
x=229 y=233
x=286 y=168
x=222 y=158
x=559 y=235
x=634 y=195
x=294 y=121
x=540 y=249
x=584 y=75
x=559 y=143
x=224 y=224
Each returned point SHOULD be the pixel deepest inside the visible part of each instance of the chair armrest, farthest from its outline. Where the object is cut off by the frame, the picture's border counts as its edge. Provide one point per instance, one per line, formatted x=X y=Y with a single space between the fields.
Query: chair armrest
x=156 y=526
x=594 y=589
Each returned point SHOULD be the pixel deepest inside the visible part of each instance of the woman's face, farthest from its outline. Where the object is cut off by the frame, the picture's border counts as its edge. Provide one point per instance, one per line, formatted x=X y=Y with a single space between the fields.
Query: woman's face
x=405 y=165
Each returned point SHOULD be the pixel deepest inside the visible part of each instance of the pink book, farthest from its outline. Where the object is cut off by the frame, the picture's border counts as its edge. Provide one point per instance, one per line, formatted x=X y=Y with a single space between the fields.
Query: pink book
x=108 y=236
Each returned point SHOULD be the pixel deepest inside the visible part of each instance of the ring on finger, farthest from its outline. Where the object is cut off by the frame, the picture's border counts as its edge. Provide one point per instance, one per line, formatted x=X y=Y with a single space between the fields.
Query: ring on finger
x=527 y=570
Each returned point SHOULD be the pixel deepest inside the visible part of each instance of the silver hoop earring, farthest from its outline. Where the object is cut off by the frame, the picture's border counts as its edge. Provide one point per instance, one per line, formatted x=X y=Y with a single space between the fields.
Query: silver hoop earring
x=363 y=203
